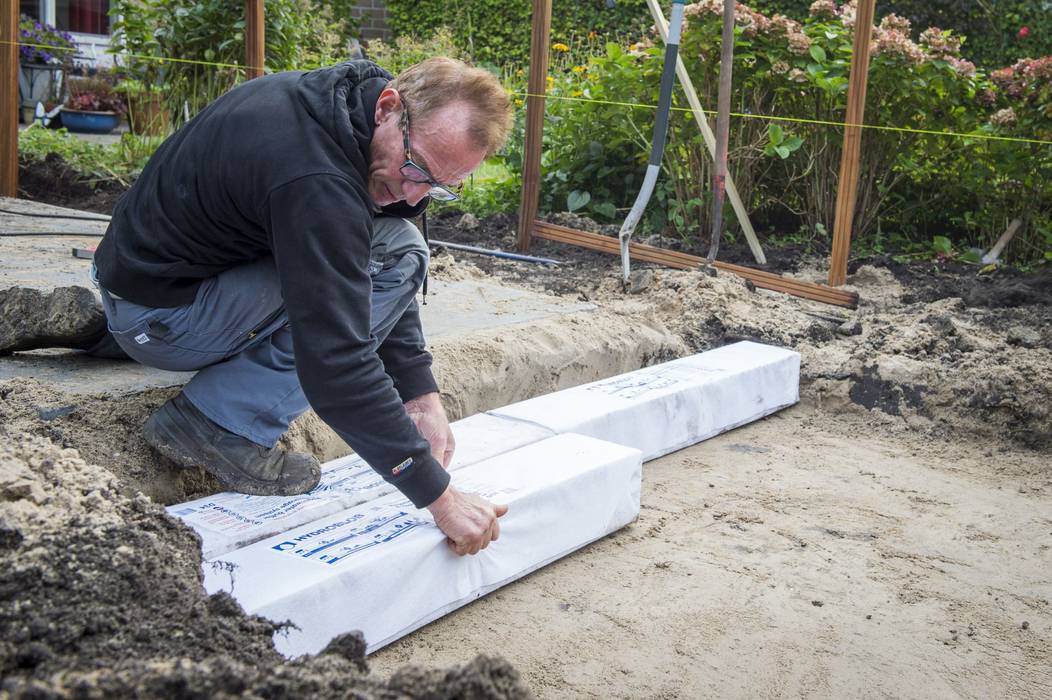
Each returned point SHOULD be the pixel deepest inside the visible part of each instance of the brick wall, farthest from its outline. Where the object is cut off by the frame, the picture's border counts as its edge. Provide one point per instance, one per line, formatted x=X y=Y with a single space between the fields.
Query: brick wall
x=372 y=18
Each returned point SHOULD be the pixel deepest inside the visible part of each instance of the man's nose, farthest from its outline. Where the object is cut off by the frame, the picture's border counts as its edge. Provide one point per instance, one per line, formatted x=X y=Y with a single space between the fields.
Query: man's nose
x=415 y=191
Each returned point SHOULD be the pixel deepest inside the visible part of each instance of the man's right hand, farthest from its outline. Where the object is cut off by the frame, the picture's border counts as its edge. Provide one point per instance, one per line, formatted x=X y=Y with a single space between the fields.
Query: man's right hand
x=468 y=520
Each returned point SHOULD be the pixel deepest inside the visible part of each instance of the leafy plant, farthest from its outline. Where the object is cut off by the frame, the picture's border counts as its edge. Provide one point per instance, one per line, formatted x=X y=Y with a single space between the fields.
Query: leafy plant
x=94 y=94
x=496 y=31
x=207 y=40
x=43 y=43
x=395 y=56
x=120 y=162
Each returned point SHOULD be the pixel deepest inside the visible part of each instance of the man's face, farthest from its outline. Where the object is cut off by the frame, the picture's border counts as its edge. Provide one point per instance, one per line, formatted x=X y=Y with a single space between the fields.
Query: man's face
x=438 y=143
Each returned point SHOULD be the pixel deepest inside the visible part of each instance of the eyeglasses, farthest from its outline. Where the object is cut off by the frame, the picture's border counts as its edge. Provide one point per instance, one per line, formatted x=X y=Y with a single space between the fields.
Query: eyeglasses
x=415 y=172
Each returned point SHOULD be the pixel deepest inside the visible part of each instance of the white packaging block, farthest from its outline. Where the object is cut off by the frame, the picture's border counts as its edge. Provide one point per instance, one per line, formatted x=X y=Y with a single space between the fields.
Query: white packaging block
x=383 y=567
x=666 y=407
x=226 y=521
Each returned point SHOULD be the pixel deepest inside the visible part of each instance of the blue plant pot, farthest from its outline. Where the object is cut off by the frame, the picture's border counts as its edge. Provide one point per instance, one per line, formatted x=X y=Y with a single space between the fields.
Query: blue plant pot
x=90 y=122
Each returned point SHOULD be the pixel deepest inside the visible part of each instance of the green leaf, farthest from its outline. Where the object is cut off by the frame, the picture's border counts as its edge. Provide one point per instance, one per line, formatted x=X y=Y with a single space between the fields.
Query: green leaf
x=818 y=53
x=970 y=256
x=793 y=143
x=605 y=209
x=942 y=245
x=775 y=134
x=577 y=199
x=782 y=151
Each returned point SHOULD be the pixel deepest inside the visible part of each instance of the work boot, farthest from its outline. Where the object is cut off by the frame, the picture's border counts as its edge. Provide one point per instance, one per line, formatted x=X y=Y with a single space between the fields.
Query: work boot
x=66 y=317
x=180 y=432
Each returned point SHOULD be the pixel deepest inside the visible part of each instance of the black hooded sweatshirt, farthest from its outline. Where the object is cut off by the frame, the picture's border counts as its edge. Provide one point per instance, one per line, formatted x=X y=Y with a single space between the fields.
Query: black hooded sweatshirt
x=278 y=166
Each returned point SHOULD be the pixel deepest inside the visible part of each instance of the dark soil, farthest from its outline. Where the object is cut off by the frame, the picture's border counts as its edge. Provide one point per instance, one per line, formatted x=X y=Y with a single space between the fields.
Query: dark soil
x=53 y=181
x=500 y=233
x=929 y=281
x=580 y=269
x=101 y=596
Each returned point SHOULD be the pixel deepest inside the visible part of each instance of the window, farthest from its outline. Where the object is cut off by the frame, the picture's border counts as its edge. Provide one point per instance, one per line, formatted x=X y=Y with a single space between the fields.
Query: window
x=84 y=16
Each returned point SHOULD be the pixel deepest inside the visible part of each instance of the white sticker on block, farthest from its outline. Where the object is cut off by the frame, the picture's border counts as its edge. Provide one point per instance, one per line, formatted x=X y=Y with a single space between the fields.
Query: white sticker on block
x=669 y=406
x=383 y=567
x=226 y=521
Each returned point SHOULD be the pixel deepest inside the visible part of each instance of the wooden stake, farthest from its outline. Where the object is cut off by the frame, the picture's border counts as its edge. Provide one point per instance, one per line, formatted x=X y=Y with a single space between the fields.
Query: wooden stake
x=994 y=254
x=710 y=138
x=847 y=188
x=9 y=106
x=255 y=38
x=537 y=85
x=723 y=126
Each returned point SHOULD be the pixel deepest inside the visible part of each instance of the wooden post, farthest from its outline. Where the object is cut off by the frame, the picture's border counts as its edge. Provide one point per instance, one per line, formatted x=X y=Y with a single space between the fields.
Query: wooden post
x=9 y=106
x=723 y=127
x=531 y=150
x=847 y=188
x=254 y=38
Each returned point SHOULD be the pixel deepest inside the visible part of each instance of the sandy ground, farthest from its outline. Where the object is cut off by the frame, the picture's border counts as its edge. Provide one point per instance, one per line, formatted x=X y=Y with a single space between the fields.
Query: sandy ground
x=807 y=555
x=890 y=537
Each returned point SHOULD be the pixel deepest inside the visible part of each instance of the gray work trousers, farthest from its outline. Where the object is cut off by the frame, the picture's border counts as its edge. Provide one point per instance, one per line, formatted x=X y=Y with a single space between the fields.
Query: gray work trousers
x=236 y=333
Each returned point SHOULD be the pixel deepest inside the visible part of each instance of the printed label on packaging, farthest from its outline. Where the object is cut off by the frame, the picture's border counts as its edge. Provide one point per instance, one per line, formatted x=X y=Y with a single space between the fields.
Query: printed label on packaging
x=344 y=538
x=649 y=380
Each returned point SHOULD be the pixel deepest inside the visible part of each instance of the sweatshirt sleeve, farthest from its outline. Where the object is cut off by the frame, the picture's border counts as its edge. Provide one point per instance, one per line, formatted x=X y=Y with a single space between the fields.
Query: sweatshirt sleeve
x=320 y=229
x=405 y=358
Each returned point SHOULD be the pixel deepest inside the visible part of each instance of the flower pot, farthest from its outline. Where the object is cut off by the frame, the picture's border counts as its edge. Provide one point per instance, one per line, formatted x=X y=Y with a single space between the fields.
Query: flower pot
x=147 y=115
x=90 y=122
x=38 y=82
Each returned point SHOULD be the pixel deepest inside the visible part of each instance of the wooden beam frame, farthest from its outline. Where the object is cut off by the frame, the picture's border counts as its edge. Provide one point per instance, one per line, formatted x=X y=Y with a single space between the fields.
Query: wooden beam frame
x=847 y=184
x=685 y=261
x=537 y=86
x=255 y=38
x=9 y=107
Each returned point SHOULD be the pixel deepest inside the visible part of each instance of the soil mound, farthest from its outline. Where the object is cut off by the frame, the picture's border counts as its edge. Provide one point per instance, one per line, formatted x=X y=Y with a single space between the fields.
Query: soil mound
x=101 y=596
x=53 y=181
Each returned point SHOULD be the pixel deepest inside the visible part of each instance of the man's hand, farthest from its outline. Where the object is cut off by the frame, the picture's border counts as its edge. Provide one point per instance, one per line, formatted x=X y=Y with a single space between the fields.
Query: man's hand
x=430 y=419
x=469 y=521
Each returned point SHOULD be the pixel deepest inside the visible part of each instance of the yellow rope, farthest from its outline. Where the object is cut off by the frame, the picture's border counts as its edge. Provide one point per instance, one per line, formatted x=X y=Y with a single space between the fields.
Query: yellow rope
x=799 y=120
x=159 y=59
x=639 y=105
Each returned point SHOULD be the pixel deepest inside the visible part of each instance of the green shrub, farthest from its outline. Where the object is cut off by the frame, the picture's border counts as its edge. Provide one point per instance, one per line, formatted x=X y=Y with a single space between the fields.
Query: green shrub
x=395 y=56
x=913 y=186
x=120 y=162
x=993 y=31
x=298 y=34
x=497 y=33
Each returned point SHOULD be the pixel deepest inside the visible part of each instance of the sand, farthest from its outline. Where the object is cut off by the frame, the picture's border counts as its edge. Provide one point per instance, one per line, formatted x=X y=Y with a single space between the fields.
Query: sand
x=889 y=537
x=807 y=555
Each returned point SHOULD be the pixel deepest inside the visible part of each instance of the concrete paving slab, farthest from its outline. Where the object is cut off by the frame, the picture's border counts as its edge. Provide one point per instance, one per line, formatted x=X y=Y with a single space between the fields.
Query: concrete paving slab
x=452 y=308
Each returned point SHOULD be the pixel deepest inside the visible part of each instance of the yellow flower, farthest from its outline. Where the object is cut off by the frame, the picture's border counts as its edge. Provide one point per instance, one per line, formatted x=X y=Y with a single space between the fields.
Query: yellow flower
x=551 y=82
x=518 y=102
x=592 y=36
x=560 y=47
x=578 y=69
x=576 y=93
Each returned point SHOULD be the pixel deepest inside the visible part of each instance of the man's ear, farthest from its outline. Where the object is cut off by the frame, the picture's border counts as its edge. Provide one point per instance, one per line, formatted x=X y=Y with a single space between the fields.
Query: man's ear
x=389 y=103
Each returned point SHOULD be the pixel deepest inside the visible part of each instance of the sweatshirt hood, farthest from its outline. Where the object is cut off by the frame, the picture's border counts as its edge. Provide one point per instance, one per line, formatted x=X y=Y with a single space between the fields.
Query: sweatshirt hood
x=343 y=99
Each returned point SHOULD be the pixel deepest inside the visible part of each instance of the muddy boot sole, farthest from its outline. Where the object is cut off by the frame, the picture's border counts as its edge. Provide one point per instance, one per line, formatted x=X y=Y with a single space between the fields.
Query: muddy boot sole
x=169 y=433
x=65 y=317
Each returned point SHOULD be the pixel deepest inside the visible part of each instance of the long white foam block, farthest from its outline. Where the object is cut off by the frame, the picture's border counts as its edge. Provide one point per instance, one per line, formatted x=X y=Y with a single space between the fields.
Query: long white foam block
x=226 y=521
x=383 y=567
x=669 y=406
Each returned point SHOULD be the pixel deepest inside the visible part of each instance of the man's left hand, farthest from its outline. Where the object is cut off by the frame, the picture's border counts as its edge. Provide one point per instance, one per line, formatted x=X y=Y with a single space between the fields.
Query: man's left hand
x=430 y=420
